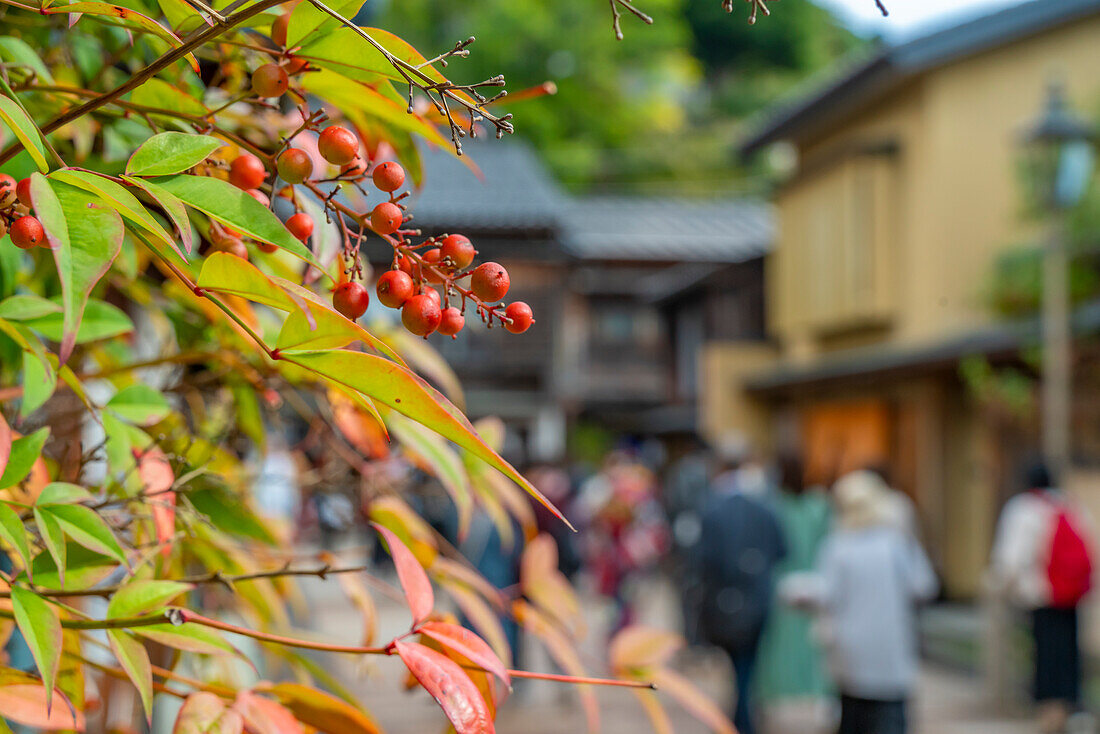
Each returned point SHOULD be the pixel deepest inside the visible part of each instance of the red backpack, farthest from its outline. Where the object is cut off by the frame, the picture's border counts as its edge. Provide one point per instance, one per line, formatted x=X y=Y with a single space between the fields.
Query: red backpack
x=1069 y=567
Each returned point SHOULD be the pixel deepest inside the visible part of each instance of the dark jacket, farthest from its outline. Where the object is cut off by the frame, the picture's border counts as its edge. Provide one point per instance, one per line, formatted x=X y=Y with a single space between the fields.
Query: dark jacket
x=740 y=545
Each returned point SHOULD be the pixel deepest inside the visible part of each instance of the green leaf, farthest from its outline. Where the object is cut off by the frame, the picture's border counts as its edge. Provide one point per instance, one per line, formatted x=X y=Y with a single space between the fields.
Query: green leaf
x=162 y=95
x=38 y=621
x=189 y=637
x=329 y=330
x=83 y=568
x=17 y=121
x=234 y=208
x=53 y=537
x=364 y=104
x=345 y=51
x=61 y=493
x=85 y=236
x=171 y=152
x=144 y=596
x=397 y=387
x=24 y=452
x=87 y=528
x=225 y=273
x=101 y=321
x=16 y=51
x=14 y=533
x=127 y=17
x=305 y=19
x=139 y=403
x=23 y=307
x=134 y=659
x=118 y=198
x=172 y=206
x=39 y=382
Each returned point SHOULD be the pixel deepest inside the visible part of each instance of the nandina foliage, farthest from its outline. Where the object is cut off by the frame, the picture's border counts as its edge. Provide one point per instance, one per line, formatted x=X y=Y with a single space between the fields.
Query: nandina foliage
x=159 y=323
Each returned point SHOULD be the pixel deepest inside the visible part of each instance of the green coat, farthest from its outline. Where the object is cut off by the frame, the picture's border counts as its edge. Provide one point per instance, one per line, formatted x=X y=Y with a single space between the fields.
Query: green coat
x=790 y=662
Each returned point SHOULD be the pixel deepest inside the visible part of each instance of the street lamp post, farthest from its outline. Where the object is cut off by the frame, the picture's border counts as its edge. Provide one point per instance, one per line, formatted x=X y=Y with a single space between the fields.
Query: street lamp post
x=1062 y=160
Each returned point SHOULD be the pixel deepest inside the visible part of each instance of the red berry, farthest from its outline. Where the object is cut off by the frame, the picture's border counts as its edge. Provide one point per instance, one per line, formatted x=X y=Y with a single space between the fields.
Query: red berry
x=407 y=265
x=295 y=64
x=432 y=259
x=458 y=250
x=232 y=245
x=278 y=29
x=300 y=225
x=490 y=282
x=259 y=196
x=270 y=81
x=386 y=218
x=23 y=191
x=26 y=232
x=421 y=314
x=7 y=191
x=394 y=288
x=338 y=145
x=388 y=176
x=520 y=317
x=433 y=294
x=246 y=171
x=294 y=165
x=451 y=321
x=351 y=299
x=267 y=247
x=355 y=168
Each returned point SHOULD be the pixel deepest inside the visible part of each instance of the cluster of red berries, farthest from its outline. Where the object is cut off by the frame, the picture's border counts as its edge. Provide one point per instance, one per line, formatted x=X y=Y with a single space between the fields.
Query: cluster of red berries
x=15 y=214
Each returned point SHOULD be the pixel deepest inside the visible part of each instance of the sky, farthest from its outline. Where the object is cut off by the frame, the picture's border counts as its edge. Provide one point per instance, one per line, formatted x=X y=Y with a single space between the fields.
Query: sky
x=910 y=17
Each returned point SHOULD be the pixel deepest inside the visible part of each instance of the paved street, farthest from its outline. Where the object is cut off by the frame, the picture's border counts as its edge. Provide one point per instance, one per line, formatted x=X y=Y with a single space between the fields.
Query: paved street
x=948 y=702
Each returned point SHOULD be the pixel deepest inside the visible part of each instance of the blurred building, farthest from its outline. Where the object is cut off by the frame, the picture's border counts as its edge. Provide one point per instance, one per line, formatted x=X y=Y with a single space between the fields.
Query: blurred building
x=625 y=290
x=904 y=194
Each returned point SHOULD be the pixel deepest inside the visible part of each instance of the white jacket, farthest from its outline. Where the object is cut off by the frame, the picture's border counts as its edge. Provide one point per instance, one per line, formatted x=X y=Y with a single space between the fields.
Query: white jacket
x=1022 y=546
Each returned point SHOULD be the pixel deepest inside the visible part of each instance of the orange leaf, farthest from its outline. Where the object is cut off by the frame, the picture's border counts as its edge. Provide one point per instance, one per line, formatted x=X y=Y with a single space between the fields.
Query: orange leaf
x=482 y=616
x=157 y=478
x=656 y=713
x=414 y=582
x=642 y=647
x=264 y=716
x=357 y=592
x=5 y=443
x=449 y=685
x=25 y=703
x=321 y=710
x=692 y=699
x=205 y=713
x=563 y=653
x=466 y=643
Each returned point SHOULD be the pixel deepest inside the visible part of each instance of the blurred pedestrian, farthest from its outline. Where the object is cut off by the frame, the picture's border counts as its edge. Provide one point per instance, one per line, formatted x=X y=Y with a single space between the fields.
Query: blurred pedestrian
x=1042 y=560
x=740 y=544
x=873 y=575
x=791 y=681
x=626 y=532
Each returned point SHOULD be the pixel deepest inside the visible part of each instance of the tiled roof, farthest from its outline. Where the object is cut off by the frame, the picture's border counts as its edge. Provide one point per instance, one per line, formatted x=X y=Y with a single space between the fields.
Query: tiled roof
x=669 y=229
x=516 y=193
x=890 y=67
x=513 y=192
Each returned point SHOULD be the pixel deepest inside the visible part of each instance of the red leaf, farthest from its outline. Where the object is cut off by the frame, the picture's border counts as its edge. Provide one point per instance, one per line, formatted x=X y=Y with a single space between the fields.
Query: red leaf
x=157 y=478
x=264 y=716
x=466 y=643
x=25 y=703
x=414 y=582
x=449 y=685
x=5 y=443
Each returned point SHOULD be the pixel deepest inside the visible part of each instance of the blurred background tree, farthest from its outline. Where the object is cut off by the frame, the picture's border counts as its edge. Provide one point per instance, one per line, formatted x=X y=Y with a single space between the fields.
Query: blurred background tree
x=678 y=91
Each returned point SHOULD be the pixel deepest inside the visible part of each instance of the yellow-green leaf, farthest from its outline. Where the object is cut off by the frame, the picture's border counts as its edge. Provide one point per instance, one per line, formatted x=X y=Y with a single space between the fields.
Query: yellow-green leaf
x=397 y=387
x=14 y=533
x=25 y=132
x=38 y=621
x=24 y=452
x=134 y=659
x=329 y=330
x=225 y=273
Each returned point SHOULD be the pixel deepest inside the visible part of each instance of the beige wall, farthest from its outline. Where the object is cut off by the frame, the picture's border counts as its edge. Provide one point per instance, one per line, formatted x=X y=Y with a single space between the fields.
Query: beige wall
x=724 y=408
x=958 y=198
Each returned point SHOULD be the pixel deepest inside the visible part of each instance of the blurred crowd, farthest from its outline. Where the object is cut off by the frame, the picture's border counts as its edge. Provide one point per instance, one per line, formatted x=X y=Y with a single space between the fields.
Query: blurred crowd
x=811 y=591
